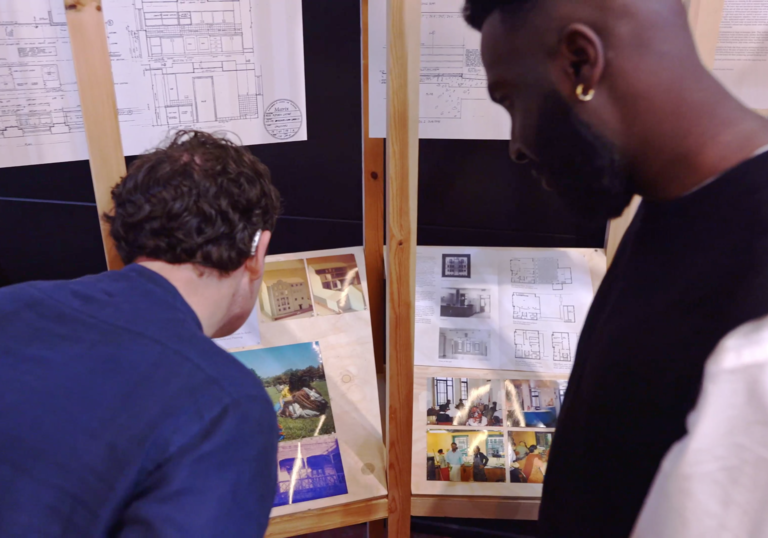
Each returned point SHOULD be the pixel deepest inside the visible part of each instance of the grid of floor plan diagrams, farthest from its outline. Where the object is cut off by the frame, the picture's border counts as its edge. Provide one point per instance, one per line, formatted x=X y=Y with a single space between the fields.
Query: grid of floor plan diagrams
x=509 y=309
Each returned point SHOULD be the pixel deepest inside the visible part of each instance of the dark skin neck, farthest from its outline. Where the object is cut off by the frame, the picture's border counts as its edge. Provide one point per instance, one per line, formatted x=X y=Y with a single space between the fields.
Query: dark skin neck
x=711 y=134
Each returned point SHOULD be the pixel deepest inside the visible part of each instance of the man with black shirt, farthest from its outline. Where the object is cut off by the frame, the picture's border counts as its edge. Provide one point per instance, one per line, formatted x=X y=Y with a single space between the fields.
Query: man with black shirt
x=609 y=99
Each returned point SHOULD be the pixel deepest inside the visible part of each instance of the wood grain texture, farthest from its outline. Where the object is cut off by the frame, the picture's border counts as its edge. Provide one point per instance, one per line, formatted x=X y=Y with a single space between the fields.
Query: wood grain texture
x=403 y=58
x=93 y=69
x=475 y=507
x=373 y=212
x=328 y=518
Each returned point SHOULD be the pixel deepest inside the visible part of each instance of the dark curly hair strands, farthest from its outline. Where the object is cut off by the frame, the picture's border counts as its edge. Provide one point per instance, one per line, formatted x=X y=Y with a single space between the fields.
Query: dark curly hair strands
x=200 y=199
x=477 y=11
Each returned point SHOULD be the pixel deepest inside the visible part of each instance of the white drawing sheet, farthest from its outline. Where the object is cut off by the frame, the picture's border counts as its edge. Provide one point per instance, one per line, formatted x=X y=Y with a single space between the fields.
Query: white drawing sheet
x=507 y=309
x=453 y=101
x=741 y=57
x=234 y=66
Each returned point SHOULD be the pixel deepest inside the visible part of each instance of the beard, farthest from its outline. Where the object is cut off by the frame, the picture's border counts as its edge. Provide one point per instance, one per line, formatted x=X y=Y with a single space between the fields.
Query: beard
x=581 y=166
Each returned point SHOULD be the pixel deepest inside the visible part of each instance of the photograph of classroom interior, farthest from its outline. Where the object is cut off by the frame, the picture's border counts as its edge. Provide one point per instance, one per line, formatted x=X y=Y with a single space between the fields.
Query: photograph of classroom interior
x=465 y=303
x=464 y=402
x=458 y=343
x=479 y=456
x=528 y=456
x=534 y=403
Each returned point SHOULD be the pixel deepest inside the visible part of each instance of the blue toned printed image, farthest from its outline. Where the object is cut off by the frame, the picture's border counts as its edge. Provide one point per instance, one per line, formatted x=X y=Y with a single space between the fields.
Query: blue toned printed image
x=309 y=469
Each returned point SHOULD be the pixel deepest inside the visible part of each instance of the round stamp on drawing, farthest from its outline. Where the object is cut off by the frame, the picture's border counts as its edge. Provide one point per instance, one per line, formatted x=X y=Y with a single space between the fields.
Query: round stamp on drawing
x=283 y=119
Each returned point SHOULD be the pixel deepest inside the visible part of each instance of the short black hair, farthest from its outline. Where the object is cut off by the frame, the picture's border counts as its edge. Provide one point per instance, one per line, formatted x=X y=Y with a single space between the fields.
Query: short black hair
x=476 y=12
x=198 y=199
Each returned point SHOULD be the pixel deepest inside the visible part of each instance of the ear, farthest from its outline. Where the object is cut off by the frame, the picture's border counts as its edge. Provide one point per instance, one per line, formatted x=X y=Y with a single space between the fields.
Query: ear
x=582 y=58
x=255 y=264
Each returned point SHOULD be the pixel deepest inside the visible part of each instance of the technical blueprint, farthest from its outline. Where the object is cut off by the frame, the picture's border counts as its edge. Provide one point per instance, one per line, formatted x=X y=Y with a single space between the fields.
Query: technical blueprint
x=543 y=296
x=453 y=101
x=234 y=67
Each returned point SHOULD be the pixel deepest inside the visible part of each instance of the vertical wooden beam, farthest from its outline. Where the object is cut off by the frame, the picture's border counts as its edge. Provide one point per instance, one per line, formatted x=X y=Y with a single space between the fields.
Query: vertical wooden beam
x=403 y=62
x=373 y=229
x=373 y=211
x=88 y=38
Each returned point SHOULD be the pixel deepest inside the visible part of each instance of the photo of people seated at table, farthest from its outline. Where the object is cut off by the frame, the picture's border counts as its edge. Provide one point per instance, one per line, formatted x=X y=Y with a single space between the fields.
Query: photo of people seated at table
x=465 y=456
x=528 y=456
x=533 y=403
x=464 y=402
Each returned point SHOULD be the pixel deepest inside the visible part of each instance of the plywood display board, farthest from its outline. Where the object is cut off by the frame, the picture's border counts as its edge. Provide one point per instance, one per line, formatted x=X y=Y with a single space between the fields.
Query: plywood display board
x=314 y=321
x=527 y=403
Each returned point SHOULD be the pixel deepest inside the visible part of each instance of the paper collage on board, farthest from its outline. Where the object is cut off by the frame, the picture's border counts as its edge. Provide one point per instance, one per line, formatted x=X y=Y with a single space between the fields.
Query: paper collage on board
x=315 y=359
x=496 y=335
x=232 y=66
x=500 y=308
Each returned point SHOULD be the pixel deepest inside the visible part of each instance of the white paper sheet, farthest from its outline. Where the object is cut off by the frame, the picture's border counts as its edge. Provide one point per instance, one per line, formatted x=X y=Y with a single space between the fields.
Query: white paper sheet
x=232 y=66
x=741 y=57
x=508 y=309
x=453 y=102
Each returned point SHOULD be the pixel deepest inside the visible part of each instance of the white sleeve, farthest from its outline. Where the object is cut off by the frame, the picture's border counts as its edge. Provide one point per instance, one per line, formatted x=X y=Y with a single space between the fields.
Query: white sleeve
x=714 y=481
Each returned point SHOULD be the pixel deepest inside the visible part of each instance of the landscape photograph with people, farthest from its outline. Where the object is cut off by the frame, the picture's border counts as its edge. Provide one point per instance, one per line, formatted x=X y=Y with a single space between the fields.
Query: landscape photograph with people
x=295 y=381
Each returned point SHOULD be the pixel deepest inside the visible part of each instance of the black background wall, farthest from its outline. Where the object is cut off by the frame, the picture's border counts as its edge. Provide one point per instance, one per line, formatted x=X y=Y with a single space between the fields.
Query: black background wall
x=470 y=193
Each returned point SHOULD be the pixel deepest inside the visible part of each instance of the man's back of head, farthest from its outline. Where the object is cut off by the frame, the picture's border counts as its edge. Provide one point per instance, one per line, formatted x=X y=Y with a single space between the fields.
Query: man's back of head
x=119 y=412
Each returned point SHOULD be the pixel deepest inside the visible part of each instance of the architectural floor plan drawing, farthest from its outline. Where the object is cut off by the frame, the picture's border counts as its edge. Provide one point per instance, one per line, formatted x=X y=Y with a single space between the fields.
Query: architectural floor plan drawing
x=233 y=66
x=528 y=344
x=496 y=307
x=540 y=271
x=561 y=347
x=453 y=101
x=533 y=307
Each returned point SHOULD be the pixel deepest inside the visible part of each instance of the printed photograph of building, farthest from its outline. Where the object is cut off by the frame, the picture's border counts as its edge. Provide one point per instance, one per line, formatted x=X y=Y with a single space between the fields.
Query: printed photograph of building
x=457 y=266
x=336 y=285
x=465 y=303
x=285 y=291
x=309 y=469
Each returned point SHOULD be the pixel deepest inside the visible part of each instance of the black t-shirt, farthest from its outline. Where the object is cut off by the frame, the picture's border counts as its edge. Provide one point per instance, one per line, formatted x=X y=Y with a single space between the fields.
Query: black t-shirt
x=687 y=273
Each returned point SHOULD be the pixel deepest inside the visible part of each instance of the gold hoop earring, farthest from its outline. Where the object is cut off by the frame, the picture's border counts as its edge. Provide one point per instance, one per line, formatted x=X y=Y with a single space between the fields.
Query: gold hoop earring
x=582 y=96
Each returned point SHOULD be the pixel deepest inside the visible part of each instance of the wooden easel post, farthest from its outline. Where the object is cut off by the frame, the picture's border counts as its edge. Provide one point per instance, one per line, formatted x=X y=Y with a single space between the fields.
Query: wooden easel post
x=88 y=38
x=403 y=63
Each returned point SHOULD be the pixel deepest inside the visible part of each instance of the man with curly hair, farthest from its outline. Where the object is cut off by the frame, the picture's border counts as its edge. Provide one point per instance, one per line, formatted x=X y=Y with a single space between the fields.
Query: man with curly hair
x=608 y=99
x=119 y=416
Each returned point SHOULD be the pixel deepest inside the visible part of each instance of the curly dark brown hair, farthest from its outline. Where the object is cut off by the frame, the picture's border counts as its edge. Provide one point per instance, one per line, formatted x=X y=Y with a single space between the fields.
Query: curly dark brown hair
x=199 y=199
